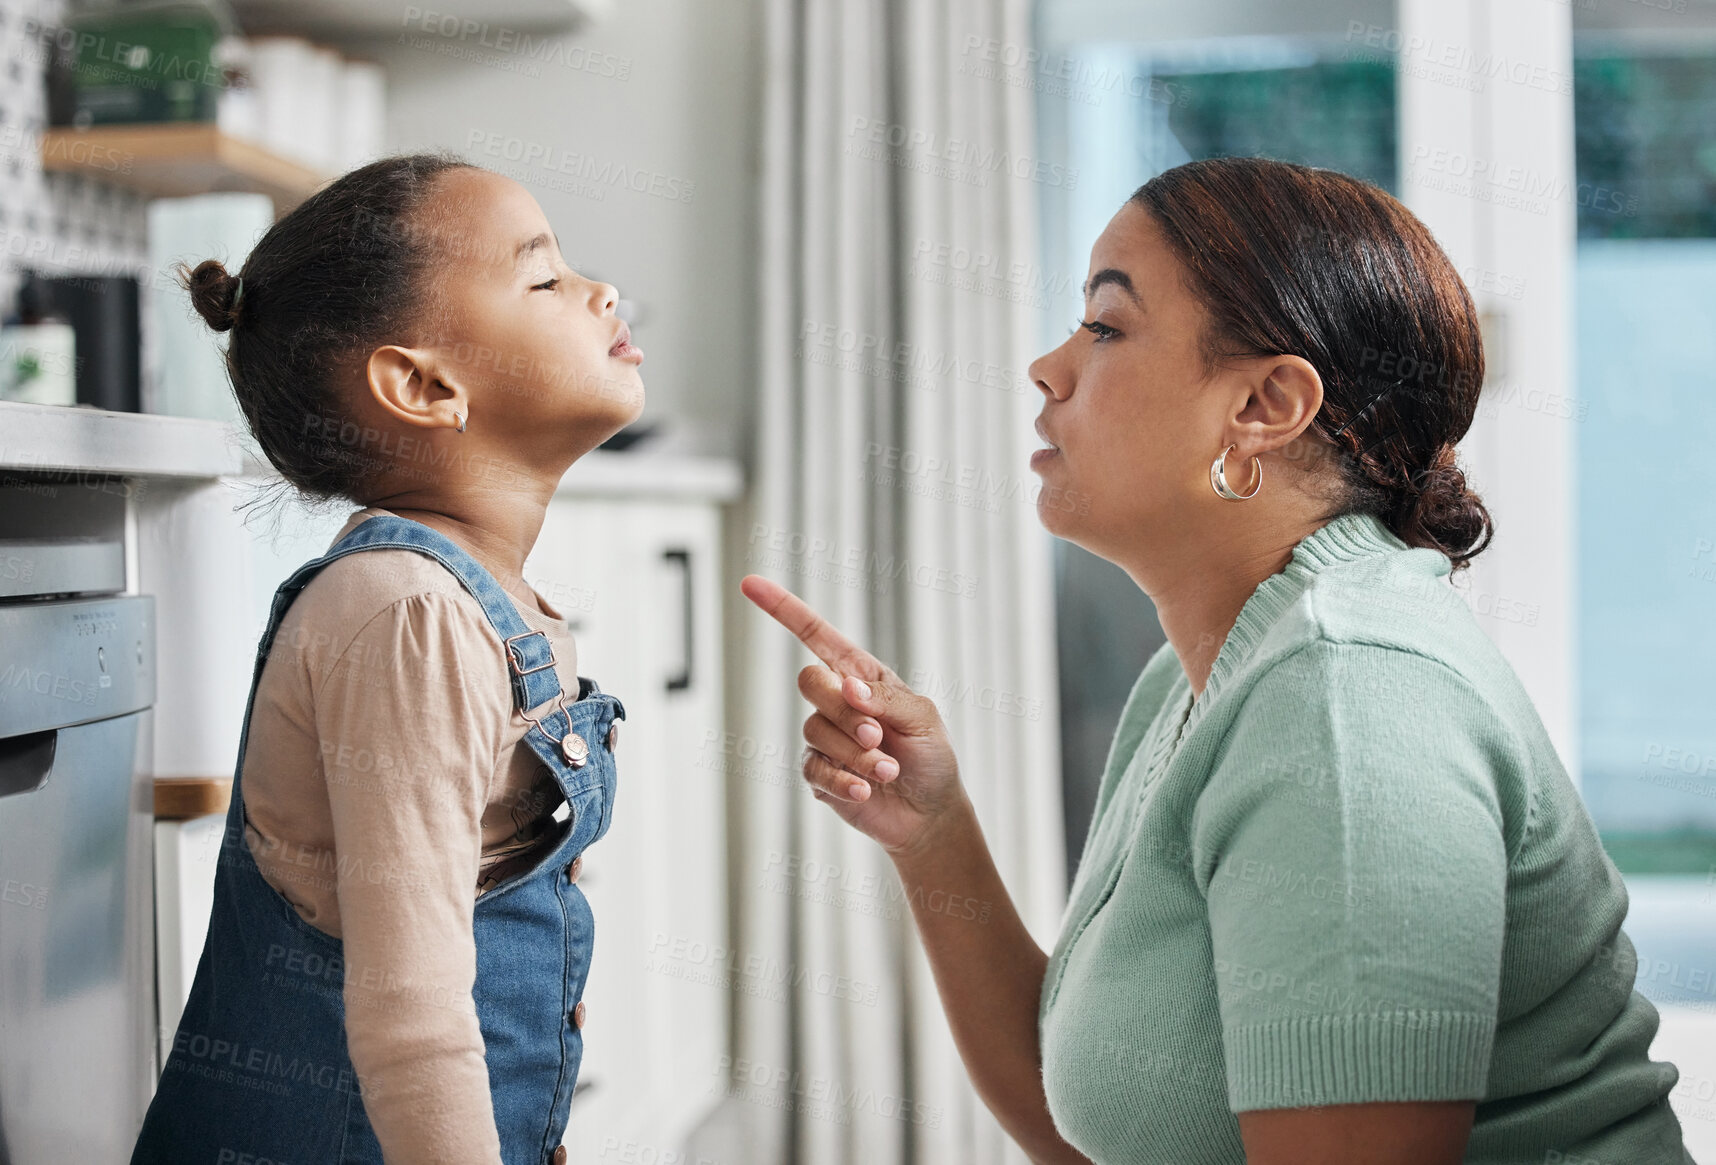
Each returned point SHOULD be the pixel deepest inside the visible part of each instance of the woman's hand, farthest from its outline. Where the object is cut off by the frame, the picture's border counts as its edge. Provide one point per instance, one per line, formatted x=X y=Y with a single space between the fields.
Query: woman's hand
x=882 y=760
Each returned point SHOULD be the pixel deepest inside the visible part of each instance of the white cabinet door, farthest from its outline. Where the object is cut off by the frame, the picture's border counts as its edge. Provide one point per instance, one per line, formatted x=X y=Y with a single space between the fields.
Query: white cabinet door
x=657 y=1004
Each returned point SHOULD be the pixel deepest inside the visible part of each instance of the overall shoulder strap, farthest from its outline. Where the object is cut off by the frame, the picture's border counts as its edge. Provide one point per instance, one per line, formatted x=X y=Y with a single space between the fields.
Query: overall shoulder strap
x=530 y=654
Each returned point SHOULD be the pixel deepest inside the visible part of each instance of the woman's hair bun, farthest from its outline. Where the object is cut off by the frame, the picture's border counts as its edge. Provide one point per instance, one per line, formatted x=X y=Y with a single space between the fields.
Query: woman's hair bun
x=213 y=293
x=1444 y=512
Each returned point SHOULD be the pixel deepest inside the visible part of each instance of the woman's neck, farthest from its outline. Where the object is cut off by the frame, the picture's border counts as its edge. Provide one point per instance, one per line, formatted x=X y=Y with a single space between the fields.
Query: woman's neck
x=1199 y=593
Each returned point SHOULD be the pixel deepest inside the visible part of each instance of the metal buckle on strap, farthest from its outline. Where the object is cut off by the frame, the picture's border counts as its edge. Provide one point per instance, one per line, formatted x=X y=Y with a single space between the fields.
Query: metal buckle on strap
x=515 y=661
x=572 y=746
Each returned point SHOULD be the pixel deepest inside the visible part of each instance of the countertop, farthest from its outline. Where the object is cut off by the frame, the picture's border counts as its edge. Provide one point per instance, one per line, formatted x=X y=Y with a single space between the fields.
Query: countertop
x=50 y=437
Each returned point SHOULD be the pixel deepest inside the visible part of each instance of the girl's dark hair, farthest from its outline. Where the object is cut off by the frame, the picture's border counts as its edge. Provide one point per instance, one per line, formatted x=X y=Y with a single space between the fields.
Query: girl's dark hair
x=1295 y=260
x=338 y=276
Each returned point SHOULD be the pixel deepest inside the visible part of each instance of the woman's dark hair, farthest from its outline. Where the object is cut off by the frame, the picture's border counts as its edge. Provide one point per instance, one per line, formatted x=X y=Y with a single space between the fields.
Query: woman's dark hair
x=339 y=275
x=1295 y=260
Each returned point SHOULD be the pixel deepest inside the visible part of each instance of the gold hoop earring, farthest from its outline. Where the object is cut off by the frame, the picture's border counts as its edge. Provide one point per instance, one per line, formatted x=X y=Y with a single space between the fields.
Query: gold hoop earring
x=1218 y=477
x=461 y=425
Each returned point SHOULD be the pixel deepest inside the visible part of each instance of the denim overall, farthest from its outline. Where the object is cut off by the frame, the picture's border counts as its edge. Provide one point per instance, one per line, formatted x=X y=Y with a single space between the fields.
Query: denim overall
x=258 y=1072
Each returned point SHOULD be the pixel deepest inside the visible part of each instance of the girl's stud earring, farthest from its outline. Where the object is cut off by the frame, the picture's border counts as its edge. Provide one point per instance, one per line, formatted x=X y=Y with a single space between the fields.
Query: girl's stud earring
x=461 y=420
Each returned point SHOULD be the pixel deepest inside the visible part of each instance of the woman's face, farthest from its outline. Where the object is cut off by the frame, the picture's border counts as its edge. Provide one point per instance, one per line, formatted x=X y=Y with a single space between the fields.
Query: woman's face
x=1127 y=403
x=537 y=346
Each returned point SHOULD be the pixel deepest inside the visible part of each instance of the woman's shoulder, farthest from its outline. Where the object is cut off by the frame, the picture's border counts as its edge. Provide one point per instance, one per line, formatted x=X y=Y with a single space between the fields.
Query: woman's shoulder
x=1377 y=676
x=1389 y=618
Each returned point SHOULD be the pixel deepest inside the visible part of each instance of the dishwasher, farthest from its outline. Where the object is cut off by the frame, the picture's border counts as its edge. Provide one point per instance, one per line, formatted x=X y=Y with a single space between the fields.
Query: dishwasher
x=77 y=961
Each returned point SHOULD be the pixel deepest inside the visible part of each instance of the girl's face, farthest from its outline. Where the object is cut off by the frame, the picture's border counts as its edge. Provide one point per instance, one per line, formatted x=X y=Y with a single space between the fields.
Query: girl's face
x=546 y=363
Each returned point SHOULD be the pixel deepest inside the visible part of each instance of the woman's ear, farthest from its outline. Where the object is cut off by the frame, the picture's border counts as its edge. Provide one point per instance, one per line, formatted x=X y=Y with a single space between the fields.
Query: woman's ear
x=1285 y=396
x=404 y=384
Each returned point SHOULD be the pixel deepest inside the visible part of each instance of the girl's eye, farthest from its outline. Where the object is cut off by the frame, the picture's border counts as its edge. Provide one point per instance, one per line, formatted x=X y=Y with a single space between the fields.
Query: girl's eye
x=1100 y=331
x=548 y=286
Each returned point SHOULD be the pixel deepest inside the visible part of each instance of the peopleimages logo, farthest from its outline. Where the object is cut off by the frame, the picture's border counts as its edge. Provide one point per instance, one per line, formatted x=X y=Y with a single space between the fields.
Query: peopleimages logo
x=1510 y=184
x=544 y=48
x=598 y=173
x=977 y=160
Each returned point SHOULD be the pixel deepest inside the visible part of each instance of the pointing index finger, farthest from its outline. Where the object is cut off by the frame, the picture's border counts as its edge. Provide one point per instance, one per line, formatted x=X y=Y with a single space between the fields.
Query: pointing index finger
x=815 y=632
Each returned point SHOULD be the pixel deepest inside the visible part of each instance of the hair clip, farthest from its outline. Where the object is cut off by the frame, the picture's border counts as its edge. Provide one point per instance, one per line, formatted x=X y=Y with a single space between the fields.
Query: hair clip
x=237 y=294
x=1365 y=411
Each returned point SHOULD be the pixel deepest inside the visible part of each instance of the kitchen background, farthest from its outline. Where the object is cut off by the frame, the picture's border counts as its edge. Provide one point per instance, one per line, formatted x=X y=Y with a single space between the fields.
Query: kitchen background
x=837 y=322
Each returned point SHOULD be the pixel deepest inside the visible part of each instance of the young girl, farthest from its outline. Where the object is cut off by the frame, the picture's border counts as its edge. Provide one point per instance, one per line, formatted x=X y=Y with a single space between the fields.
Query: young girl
x=398 y=948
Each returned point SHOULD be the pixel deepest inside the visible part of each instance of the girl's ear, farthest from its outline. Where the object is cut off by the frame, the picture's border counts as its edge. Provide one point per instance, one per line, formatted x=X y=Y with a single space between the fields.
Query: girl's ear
x=403 y=382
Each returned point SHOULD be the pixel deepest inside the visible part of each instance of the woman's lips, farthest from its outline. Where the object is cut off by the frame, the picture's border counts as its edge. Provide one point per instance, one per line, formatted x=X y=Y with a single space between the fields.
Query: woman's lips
x=624 y=349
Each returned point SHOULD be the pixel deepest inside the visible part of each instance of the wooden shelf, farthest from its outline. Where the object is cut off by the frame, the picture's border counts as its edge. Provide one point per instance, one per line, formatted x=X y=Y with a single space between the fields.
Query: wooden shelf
x=176 y=160
x=365 y=20
x=184 y=798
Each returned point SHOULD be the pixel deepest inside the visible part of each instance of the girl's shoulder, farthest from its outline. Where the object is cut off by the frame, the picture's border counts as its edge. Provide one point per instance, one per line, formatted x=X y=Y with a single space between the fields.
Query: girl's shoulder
x=389 y=594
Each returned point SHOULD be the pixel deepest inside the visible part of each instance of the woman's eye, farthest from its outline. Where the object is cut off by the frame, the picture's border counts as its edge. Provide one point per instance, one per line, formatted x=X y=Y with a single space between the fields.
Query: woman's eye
x=1100 y=331
x=547 y=286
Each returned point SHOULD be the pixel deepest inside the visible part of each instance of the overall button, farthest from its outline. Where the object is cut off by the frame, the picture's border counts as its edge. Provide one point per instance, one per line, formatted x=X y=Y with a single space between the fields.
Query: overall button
x=578 y=1015
x=576 y=868
x=559 y=1156
x=575 y=750
x=613 y=735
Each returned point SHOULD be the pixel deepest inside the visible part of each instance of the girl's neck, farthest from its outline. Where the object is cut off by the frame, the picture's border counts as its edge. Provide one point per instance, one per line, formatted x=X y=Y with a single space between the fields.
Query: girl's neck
x=498 y=532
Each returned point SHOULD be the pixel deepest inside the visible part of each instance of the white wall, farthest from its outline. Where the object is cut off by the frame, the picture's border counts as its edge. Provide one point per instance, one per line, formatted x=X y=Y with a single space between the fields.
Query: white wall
x=1486 y=160
x=668 y=90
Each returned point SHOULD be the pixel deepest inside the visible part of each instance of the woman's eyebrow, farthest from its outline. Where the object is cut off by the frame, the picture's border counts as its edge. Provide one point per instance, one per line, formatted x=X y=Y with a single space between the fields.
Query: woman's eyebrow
x=1112 y=275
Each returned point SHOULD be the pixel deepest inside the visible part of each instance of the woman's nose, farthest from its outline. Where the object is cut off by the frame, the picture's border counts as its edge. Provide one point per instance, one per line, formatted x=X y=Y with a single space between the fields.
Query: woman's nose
x=1047 y=374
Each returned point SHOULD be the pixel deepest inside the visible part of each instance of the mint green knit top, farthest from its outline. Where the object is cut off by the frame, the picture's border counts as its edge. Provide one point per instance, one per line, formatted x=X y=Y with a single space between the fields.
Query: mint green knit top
x=1352 y=870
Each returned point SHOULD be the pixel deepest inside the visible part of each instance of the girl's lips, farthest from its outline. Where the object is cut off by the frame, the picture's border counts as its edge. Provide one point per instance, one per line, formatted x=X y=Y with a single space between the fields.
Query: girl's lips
x=623 y=348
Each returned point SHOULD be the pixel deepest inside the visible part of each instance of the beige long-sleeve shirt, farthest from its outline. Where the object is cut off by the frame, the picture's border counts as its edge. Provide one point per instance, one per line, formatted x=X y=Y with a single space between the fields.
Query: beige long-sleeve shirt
x=385 y=788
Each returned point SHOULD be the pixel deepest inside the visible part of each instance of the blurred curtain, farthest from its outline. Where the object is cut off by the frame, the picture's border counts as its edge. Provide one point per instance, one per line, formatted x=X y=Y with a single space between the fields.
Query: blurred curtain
x=890 y=488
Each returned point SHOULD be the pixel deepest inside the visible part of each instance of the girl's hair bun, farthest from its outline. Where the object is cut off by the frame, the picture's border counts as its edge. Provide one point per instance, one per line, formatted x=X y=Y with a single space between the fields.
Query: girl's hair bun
x=213 y=293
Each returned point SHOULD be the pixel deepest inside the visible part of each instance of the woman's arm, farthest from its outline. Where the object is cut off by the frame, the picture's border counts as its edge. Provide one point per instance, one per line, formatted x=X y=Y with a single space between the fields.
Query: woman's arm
x=1427 y=1132
x=879 y=756
x=988 y=972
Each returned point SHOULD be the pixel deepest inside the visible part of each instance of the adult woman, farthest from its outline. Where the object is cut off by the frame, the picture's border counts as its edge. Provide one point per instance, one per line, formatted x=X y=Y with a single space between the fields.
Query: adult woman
x=1339 y=900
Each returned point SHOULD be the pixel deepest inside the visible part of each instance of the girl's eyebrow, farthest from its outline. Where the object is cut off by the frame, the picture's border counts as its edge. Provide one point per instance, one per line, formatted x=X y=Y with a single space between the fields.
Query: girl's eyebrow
x=533 y=244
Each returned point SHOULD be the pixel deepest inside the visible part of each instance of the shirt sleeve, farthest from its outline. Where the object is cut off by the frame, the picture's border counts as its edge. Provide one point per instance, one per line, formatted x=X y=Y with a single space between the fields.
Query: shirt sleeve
x=1351 y=850
x=409 y=722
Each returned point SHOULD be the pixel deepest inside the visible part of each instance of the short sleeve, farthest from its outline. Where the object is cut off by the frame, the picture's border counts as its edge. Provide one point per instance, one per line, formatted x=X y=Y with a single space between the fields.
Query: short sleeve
x=1350 y=846
x=409 y=721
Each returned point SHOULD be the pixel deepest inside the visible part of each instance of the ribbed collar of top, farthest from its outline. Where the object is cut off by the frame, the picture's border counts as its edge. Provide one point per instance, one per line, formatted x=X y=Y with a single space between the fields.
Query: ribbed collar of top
x=1348 y=538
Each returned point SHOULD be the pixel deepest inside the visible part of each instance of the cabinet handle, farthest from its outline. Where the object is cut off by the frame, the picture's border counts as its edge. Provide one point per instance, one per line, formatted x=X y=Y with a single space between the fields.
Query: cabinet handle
x=683 y=679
